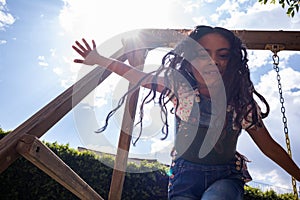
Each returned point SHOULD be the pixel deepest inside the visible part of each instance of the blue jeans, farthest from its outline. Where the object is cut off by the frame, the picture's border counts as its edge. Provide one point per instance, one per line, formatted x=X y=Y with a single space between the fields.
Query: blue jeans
x=196 y=181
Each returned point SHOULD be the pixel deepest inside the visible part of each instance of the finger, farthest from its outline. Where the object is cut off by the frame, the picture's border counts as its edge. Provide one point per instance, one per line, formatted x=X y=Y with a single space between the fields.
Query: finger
x=78 y=51
x=80 y=46
x=78 y=61
x=94 y=44
x=86 y=44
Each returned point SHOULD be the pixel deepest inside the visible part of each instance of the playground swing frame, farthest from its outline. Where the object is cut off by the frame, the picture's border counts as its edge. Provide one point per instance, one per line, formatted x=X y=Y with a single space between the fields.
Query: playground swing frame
x=24 y=140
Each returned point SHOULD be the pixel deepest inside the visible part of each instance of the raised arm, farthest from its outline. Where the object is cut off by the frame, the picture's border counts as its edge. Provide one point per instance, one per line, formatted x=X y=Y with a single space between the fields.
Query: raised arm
x=132 y=74
x=273 y=150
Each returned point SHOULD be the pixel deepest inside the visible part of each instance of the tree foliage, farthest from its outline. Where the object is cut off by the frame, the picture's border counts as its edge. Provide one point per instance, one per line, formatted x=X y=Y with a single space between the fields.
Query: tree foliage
x=292 y=5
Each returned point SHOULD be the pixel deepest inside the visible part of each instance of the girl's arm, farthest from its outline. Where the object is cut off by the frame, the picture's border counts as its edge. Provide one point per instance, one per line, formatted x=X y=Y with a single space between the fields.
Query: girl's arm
x=273 y=150
x=92 y=57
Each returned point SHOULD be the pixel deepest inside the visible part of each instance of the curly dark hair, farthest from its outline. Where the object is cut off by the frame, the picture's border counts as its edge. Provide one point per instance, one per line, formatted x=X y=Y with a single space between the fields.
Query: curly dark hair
x=238 y=85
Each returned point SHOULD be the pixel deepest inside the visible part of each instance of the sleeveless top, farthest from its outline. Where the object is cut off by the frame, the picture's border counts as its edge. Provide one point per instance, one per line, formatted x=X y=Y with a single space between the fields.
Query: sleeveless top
x=193 y=122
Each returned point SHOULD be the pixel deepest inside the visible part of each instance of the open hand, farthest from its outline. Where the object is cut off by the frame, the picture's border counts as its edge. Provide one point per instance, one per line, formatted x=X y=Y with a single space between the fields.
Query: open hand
x=86 y=52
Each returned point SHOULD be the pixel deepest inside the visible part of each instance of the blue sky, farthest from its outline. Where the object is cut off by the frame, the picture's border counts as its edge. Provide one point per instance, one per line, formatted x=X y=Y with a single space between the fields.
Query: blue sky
x=36 y=65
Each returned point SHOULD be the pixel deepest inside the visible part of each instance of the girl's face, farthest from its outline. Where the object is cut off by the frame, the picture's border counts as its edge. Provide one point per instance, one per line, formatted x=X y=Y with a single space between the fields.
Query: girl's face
x=210 y=64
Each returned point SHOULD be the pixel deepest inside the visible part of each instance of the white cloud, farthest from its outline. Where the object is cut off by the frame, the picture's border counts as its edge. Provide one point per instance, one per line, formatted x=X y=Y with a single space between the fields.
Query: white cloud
x=290 y=79
x=258 y=58
x=214 y=17
x=42 y=61
x=44 y=64
x=189 y=6
x=273 y=178
x=94 y=18
x=270 y=16
x=3 y=42
x=53 y=52
x=210 y=1
x=6 y=18
x=58 y=70
x=200 y=20
x=41 y=57
x=230 y=6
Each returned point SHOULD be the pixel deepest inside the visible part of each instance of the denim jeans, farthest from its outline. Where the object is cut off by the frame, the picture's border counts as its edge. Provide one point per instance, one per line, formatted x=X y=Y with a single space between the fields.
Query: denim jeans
x=207 y=182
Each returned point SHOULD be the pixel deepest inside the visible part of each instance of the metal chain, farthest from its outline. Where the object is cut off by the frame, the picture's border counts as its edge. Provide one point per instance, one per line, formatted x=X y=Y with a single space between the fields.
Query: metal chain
x=284 y=118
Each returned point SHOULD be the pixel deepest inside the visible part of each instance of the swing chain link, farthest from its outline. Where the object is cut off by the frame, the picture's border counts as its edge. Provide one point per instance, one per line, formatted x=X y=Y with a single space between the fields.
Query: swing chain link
x=284 y=118
x=281 y=99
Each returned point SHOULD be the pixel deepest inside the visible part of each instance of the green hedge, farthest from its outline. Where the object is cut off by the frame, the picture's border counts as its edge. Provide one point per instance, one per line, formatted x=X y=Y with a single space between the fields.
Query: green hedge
x=257 y=194
x=22 y=180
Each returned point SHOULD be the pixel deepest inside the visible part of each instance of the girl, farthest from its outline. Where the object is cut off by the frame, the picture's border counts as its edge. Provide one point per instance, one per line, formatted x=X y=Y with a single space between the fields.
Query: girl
x=207 y=78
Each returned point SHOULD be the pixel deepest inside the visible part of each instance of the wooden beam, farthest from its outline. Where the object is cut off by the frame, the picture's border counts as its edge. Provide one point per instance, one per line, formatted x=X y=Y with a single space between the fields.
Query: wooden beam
x=31 y=148
x=259 y=40
x=253 y=39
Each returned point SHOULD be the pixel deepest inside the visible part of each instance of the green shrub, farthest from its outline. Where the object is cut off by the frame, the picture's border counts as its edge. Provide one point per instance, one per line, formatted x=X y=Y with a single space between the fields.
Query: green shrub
x=256 y=194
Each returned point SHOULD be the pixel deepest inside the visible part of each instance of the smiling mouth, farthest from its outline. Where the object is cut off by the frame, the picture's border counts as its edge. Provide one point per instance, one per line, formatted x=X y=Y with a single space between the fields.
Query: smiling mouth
x=212 y=72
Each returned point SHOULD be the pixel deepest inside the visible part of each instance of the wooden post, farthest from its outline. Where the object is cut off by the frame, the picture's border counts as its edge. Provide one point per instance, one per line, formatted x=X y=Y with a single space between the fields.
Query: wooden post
x=136 y=59
x=31 y=148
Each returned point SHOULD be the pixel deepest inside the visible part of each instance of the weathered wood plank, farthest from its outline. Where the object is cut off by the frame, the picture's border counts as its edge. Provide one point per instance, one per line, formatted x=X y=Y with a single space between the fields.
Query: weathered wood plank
x=258 y=40
x=31 y=148
x=136 y=59
x=253 y=39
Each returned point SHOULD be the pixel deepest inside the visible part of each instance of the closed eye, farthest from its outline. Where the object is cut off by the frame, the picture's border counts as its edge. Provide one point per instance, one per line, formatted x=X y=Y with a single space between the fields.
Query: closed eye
x=224 y=56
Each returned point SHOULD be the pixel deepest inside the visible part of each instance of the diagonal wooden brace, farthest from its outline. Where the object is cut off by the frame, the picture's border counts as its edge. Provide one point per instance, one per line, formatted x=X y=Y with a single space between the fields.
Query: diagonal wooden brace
x=31 y=148
x=45 y=118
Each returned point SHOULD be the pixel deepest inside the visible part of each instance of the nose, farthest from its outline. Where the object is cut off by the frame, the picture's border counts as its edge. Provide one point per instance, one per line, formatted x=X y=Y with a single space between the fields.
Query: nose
x=213 y=59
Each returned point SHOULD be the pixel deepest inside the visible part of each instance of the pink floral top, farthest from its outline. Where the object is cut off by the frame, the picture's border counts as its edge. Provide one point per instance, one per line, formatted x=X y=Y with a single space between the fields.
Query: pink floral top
x=187 y=99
